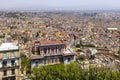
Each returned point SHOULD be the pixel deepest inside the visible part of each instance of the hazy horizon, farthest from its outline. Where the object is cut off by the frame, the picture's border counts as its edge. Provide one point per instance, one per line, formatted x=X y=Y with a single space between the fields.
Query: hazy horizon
x=59 y=5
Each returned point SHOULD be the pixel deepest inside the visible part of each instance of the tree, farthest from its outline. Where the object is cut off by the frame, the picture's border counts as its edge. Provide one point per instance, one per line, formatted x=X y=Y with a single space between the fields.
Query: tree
x=37 y=34
x=25 y=40
x=78 y=45
x=72 y=71
x=55 y=72
x=24 y=64
x=81 y=58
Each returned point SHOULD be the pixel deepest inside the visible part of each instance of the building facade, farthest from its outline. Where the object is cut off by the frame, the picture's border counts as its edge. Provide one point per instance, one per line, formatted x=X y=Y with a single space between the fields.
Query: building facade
x=50 y=52
x=9 y=61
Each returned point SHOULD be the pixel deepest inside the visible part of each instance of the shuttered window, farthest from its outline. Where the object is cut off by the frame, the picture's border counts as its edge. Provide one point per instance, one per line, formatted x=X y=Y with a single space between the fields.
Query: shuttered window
x=44 y=61
x=12 y=55
x=52 y=60
x=4 y=55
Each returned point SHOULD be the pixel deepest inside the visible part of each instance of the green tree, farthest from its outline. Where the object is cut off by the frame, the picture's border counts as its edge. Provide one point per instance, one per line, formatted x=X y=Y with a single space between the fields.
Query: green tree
x=25 y=40
x=72 y=71
x=81 y=58
x=24 y=64
x=37 y=34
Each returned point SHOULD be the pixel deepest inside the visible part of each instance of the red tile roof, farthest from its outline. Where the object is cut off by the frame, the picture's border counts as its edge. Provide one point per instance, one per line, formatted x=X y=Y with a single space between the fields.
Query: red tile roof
x=44 y=42
x=52 y=42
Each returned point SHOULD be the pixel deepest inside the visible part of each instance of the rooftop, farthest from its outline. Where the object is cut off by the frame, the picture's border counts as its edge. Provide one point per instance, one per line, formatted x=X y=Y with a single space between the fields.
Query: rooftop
x=48 y=42
x=8 y=46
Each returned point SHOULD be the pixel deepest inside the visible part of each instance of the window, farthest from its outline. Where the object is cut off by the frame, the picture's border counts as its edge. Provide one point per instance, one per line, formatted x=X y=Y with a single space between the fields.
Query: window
x=56 y=60
x=56 y=50
x=4 y=55
x=12 y=62
x=44 y=61
x=33 y=50
x=38 y=53
x=45 y=50
x=36 y=48
x=36 y=64
x=48 y=50
x=60 y=59
x=13 y=71
x=48 y=61
x=12 y=54
x=41 y=50
x=4 y=63
x=5 y=73
x=52 y=51
x=52 y=60
x=69 y=59
x=60 y=50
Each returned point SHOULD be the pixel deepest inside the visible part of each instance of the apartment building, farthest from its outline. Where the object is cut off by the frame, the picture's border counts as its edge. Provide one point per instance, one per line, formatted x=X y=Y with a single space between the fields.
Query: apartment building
x=49 y=52
x=9 y=61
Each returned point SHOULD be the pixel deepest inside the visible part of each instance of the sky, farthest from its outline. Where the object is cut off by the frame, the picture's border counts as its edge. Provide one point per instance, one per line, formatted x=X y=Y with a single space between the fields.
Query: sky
x=78 y=4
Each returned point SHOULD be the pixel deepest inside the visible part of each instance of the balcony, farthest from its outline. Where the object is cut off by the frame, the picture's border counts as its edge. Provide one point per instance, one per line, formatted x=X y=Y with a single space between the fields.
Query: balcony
x=52 y=54
x=9 y=66
x=13 y=64
x=8 y=57
x=11 y=77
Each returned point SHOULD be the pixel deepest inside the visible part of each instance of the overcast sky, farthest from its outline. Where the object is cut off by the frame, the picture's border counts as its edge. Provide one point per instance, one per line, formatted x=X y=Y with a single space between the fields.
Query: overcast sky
x=81 y=4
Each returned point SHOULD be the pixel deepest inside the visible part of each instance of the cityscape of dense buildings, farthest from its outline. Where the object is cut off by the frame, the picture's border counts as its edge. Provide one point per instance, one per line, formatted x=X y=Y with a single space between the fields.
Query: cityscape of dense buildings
x=49 y=38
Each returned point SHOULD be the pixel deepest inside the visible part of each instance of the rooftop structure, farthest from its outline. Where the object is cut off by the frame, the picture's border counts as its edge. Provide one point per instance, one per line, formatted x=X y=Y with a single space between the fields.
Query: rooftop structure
x=112 y=28
x=8 y=46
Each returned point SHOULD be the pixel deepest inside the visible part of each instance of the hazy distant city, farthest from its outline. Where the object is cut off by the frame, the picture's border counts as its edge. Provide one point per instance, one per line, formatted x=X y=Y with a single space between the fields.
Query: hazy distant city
x=59 y=40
